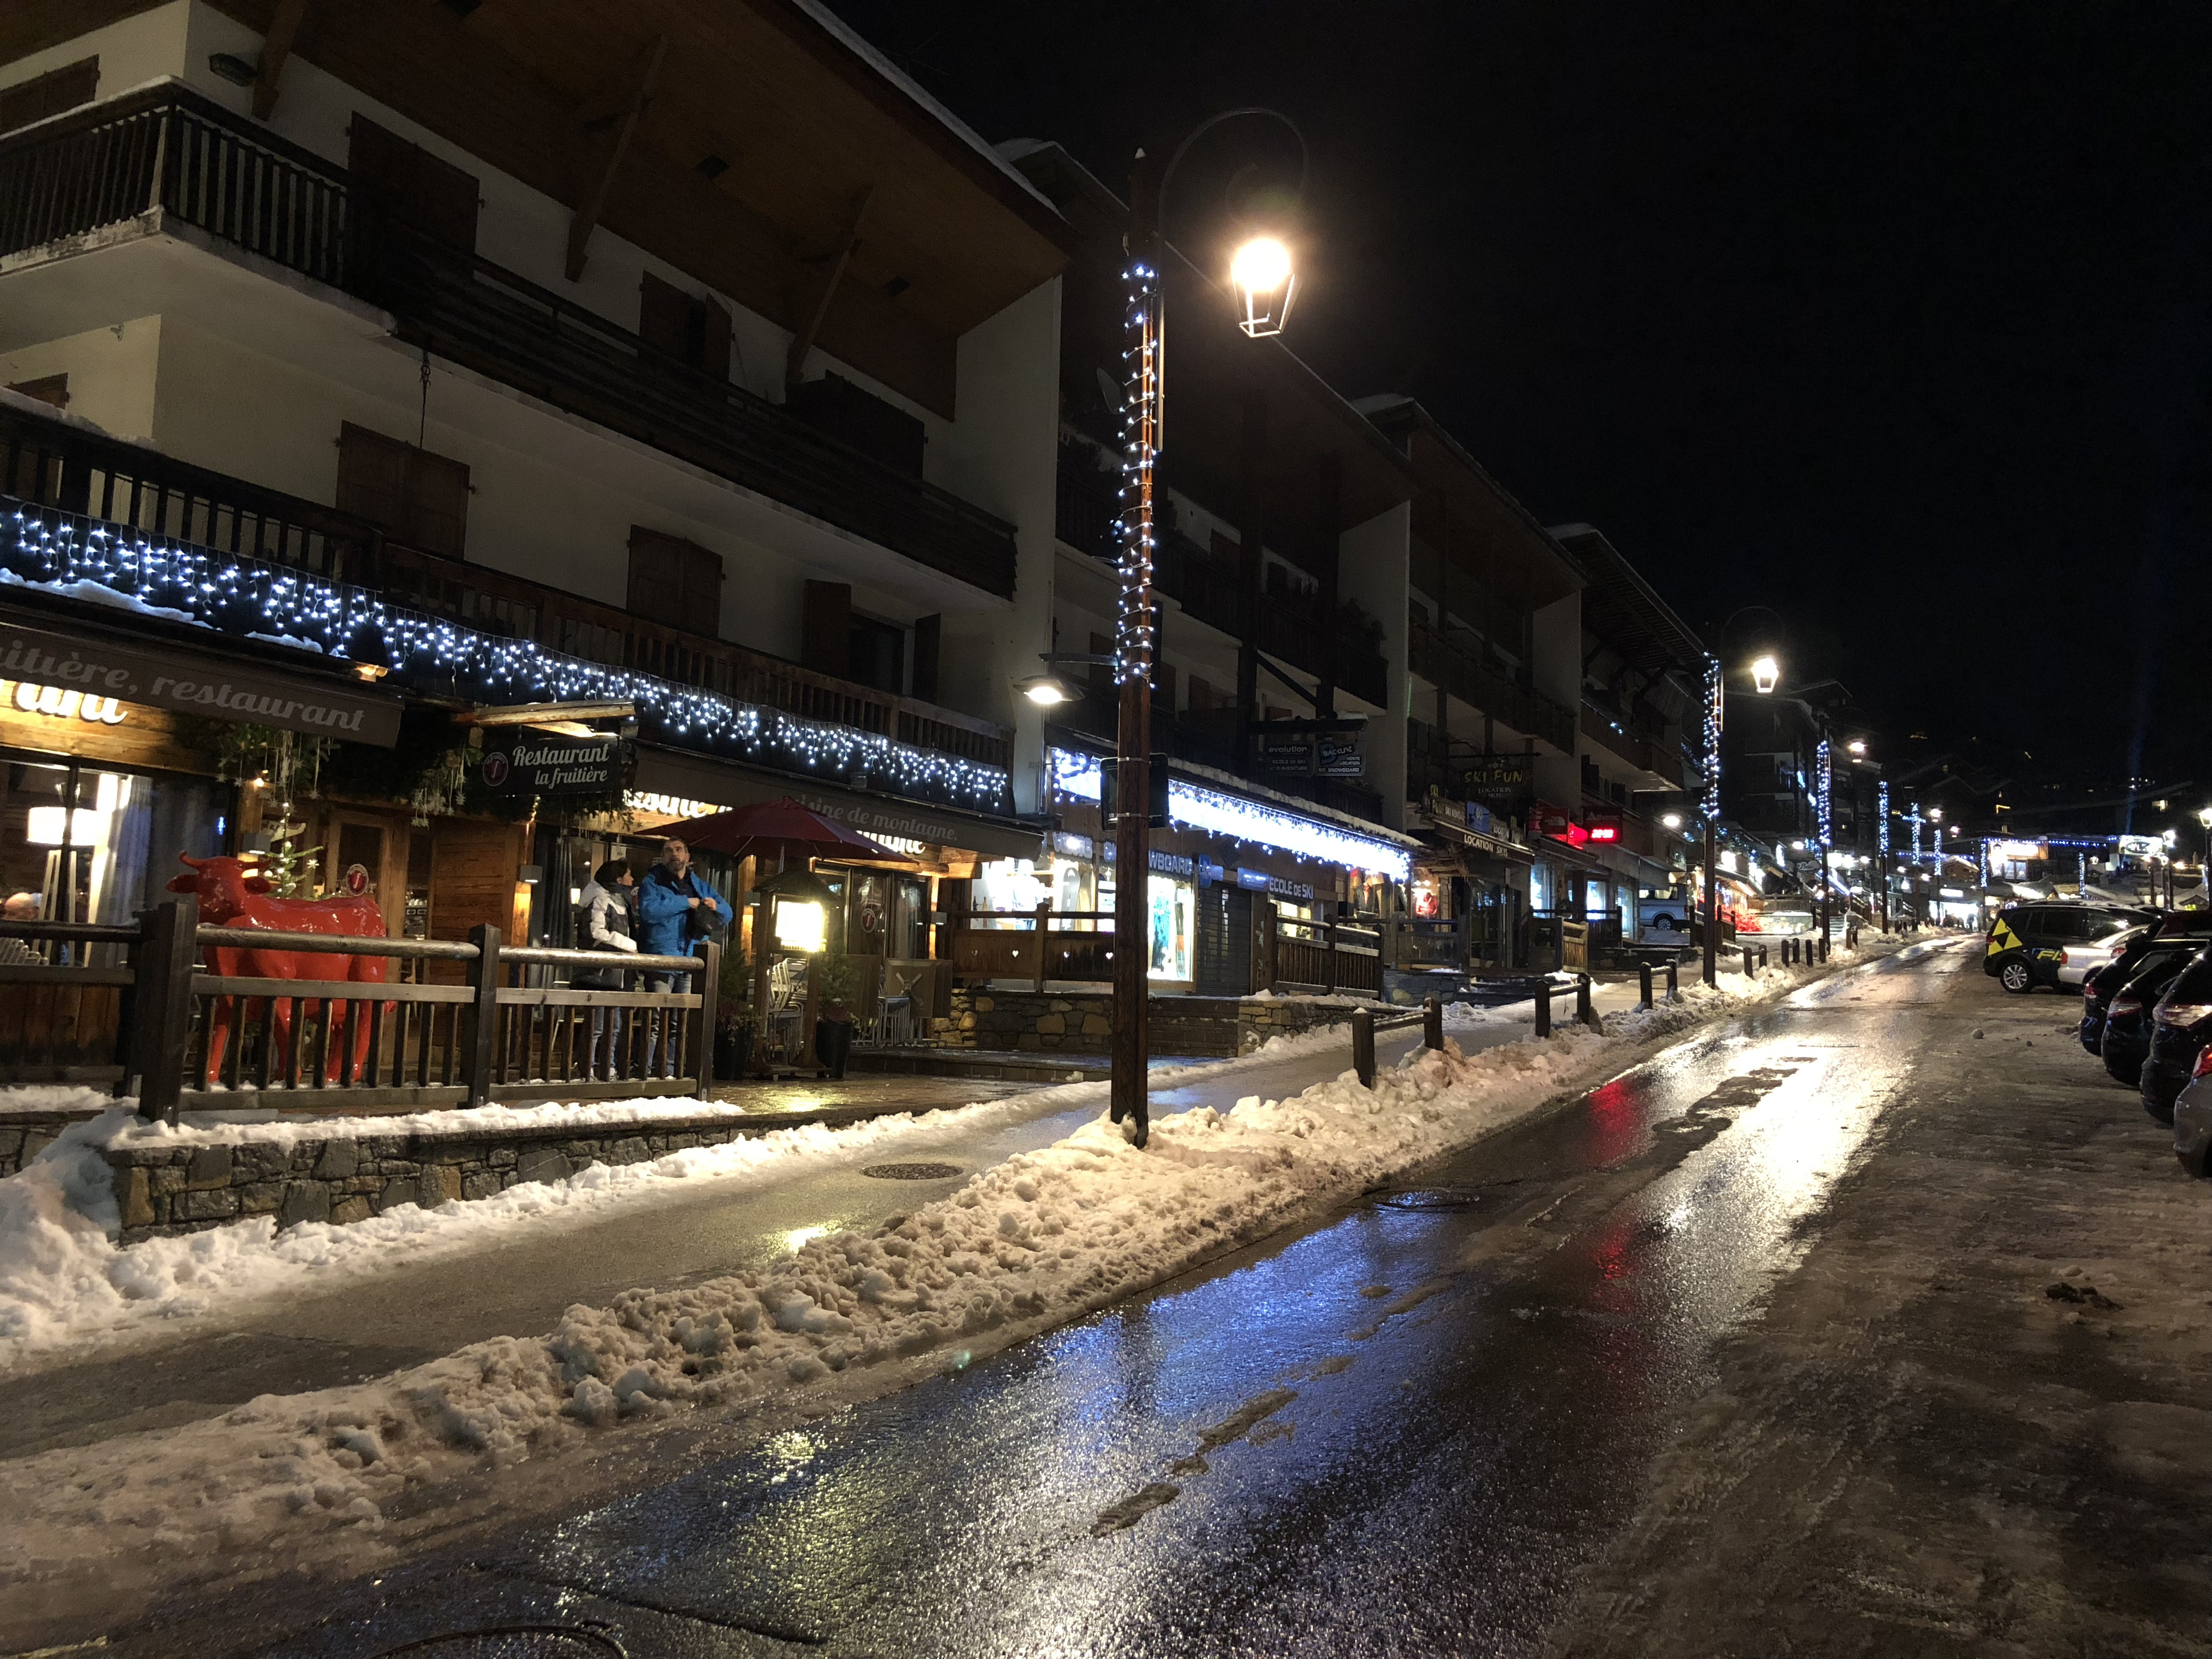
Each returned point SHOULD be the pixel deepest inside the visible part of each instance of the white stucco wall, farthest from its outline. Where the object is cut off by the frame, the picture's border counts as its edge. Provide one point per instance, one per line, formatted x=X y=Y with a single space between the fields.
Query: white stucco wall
x=1003 y=455
x=1372 y=567
x=110 y=373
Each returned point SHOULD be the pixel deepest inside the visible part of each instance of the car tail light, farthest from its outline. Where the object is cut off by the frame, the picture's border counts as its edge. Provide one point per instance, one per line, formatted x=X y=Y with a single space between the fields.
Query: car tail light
x=2065 y=956
x=2124 y=1004
x=2203 y=1062
x=2184 y=1014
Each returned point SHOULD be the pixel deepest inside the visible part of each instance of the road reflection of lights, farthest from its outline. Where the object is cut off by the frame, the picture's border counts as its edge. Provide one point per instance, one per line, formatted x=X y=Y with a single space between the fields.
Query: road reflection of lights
x=1677 y=1216
x=789 y=1452
x=799 y=1237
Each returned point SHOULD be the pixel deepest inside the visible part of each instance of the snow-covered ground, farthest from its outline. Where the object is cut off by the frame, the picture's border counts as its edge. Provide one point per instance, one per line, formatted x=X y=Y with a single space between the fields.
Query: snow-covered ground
x=1038 y=1240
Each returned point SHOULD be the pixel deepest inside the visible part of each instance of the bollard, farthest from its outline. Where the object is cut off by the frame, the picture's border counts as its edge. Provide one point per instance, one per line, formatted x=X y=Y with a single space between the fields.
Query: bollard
x=1749 y=972
x=1644 y=984
x=1673 y=991
x=1363 y=1047
x=1584 y=1012
x=1823 y=944
x=1432 y=1023
x=1544 y=1009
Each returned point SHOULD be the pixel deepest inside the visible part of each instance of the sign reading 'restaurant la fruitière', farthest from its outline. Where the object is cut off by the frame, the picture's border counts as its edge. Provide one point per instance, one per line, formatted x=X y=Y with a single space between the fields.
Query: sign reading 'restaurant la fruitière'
x=193 y=684
x=547 y=765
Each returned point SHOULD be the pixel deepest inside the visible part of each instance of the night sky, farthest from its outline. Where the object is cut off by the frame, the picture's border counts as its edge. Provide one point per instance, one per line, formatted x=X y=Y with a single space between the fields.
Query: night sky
x=1890 y=317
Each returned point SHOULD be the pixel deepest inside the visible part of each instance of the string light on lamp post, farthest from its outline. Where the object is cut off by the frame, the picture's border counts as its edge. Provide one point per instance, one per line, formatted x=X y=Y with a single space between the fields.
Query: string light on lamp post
x=1265 y=283
x=1716 y=713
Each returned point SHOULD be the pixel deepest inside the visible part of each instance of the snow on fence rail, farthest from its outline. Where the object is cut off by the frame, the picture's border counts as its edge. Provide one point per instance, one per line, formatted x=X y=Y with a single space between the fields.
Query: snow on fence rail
x=161 y=1025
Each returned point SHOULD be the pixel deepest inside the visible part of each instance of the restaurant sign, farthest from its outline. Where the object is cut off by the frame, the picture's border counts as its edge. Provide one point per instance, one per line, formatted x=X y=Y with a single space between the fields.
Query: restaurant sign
x=196 y=685
x=543 y=765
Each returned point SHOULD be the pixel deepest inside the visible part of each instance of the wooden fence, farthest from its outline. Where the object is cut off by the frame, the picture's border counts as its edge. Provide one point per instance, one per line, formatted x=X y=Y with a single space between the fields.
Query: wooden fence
x=184 y=1035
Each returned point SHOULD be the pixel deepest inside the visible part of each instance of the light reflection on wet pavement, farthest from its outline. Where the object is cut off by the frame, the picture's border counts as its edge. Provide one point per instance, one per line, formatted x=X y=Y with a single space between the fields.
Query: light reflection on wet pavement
x=1474 y=1393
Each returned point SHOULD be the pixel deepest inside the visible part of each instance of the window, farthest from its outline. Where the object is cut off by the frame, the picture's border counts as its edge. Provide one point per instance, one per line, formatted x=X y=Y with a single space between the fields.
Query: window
x=50 y=94
x=878 y=655
x=417 y=498
x=675 y=581
x=413 y=186
x=695 y=332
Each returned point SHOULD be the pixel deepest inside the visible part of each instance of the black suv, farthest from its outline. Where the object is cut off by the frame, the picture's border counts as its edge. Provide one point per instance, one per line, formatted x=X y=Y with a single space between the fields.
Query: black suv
x=2027 y=942
x=2181 y=1026
x=2125 y=1044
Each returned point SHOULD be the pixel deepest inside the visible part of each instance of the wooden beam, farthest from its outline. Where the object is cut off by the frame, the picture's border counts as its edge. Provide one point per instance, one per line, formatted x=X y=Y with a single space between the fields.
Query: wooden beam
x=275 y=47
x=836 y=259
x=594 y=202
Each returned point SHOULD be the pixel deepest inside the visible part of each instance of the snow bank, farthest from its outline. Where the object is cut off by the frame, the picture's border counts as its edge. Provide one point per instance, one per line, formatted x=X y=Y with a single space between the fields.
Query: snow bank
x=1041 y=1239
x=29 y=1099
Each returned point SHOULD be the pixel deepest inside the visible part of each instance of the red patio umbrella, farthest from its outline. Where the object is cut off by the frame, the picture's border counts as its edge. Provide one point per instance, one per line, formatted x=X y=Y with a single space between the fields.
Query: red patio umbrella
x=776 y=826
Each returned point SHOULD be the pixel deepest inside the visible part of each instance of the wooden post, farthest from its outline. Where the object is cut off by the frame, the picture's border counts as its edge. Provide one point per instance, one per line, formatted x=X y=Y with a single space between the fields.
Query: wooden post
x=757 y=1060
x=1544 y=1009
x=1749 y=971
x=1363 y=1047
x=710 y=996
x=1328 y=949
x=160 y=1008
x=1674 y=990
x=1044 y=923
x=479 y=1045
x=1643 y=985
x=1270 y=941
x=1432 y=1023
x=1584 y=1012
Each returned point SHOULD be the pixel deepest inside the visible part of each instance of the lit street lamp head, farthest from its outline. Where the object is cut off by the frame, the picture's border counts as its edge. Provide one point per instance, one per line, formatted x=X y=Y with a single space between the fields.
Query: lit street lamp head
x=1046 y=691
x=1766 y=674
x=1265 y=285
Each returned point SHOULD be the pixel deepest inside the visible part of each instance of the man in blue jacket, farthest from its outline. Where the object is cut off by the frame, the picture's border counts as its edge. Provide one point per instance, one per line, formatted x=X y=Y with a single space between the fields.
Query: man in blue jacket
x=676 y=909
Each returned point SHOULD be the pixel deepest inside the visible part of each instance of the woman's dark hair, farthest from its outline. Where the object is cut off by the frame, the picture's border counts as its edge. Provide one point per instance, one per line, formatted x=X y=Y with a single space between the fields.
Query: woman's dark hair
x=611 y=871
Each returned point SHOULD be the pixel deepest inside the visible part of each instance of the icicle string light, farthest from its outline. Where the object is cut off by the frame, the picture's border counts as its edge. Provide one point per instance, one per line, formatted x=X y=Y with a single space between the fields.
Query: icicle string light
x=1882 y=806
x=1133 y=641
x=1077 y=776
x=244 y=598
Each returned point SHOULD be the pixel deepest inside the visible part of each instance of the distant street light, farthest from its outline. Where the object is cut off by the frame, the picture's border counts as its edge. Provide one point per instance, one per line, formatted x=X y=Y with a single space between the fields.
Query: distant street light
x=1674 y=820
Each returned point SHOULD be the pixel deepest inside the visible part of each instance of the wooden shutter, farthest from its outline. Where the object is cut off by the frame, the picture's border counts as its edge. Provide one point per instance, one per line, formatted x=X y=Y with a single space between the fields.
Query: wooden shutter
x=437 y=504
x=373 y=477
x=415 y=497
x=47 y=389
x=675 y=581
x=413 y=186
x=50 y=94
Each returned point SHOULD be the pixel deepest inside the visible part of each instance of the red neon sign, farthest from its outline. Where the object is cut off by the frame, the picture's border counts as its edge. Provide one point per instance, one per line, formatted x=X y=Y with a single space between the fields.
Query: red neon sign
x=1605 y=832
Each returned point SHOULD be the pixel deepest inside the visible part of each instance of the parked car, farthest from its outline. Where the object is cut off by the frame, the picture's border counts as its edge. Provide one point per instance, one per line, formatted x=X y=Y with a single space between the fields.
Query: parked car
x=2126 y=1042
x=2102 y=984
x=2181 y=1026
x=2027 y=943
x=2079 y=958
x=2192 y=1118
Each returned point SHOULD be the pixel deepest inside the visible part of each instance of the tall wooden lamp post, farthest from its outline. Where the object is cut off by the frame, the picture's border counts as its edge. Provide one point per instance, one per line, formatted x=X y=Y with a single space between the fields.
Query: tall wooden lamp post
x=1264 y=284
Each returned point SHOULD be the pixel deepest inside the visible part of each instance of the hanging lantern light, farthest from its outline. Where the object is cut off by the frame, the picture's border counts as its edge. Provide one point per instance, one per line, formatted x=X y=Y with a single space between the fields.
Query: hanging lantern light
x=1766 y=674
x=1265 y=285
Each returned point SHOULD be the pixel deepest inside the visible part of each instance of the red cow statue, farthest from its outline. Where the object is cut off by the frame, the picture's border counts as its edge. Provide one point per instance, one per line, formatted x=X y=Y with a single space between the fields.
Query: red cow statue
x=232 y=896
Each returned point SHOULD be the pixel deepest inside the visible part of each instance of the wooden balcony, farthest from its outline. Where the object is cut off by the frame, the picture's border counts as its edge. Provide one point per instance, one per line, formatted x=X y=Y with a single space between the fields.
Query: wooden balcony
x=165 y=147
x=1462 y=669
x=52 y=465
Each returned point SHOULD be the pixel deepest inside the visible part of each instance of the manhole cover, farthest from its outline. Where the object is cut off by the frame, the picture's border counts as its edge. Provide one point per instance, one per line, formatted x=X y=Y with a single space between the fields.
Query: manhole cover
x=1452 y=1196
x=911 y=1171
x=511 y=1642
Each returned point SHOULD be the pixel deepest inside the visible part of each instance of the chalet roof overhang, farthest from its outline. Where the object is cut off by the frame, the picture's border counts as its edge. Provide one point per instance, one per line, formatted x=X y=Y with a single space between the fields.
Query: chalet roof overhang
x=1465 y=513
x=755 y=144
x=1624 y=611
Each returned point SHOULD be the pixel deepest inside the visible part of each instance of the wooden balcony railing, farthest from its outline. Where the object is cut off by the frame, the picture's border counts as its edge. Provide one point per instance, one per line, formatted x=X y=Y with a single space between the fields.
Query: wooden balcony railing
x=1481 y=683
x=165 y=147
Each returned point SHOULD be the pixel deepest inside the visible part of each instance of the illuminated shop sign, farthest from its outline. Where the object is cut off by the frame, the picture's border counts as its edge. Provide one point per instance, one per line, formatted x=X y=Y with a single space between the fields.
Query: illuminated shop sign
x=55 y=703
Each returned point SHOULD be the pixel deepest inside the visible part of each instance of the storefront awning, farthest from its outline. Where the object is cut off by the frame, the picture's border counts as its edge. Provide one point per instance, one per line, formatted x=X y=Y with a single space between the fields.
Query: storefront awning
x=84 y=657
x=1475 y=840
x=696 y=777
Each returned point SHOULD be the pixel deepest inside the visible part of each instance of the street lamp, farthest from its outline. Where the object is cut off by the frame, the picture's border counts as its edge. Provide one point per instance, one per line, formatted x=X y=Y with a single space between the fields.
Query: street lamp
x=1262 y=275
x=1766 y=675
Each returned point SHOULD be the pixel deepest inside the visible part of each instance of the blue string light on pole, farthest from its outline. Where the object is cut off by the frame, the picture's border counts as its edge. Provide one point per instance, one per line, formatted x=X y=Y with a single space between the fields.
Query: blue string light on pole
x=241 y=597
x=1716 y=713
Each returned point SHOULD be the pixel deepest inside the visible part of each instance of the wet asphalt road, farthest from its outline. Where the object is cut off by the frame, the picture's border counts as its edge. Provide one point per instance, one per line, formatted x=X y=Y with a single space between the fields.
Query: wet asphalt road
x=1404 y=1431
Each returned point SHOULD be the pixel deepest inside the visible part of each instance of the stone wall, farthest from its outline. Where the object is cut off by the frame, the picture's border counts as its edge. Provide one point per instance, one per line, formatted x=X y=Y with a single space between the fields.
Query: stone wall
x=162 y=1189
x=1081 y=1022
x=24 y=1136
